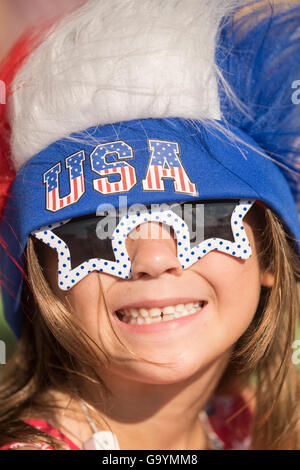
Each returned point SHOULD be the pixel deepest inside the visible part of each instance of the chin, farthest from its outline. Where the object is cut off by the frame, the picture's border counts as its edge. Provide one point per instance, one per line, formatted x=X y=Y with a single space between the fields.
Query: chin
x=162 y=374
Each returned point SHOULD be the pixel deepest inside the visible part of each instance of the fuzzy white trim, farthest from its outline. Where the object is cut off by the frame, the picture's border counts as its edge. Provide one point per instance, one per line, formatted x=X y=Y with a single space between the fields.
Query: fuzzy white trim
x=117 y=60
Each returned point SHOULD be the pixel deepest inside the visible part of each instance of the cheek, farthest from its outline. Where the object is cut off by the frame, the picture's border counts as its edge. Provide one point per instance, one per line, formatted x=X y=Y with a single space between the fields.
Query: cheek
x=85 y=299
x=236 y=287
x=88 y=303
x=82 y=295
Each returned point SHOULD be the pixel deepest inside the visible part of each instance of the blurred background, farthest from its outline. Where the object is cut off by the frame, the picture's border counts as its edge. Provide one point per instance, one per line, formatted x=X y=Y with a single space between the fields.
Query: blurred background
x=16 y=15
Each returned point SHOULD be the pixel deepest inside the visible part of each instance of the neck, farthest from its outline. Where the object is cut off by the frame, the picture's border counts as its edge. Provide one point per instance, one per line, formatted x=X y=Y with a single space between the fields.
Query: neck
x=153 y=416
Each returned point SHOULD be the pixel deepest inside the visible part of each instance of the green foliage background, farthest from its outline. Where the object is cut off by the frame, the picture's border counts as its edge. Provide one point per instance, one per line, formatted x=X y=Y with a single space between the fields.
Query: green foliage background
x=6 y=334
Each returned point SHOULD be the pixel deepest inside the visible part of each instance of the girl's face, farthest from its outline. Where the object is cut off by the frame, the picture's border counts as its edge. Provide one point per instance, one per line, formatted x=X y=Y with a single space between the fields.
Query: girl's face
x=228 y=286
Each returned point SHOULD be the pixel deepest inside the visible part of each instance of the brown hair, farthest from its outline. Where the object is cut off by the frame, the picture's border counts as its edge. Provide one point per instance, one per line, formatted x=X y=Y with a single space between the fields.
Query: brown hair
x=53 y=349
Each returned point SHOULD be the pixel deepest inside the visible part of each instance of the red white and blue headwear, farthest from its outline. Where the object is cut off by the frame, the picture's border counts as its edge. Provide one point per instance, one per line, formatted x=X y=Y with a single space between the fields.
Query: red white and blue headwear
x=149 y=117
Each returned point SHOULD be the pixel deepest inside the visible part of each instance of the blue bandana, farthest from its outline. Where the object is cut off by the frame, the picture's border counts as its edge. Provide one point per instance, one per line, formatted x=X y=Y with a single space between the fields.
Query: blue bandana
x=149 y=161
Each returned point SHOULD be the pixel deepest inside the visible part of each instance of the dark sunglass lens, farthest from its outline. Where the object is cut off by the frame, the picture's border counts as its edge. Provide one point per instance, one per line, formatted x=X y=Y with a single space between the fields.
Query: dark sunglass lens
x=87 y=237
x=217 y=220
x=207 y=219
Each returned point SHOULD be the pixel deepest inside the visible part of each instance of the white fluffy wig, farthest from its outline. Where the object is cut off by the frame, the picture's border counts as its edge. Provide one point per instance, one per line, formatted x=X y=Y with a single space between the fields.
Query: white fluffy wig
x=118 y=60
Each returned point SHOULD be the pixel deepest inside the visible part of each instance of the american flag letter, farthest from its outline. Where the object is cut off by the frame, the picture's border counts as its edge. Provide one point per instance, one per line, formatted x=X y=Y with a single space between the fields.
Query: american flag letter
x=106 y=161
x=165 y=163
x=74 y=164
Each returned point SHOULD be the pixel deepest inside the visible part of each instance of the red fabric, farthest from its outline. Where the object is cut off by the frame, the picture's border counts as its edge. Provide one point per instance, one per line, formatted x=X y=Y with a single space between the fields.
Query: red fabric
x=235 y=434
x=48 y=429
x=9 y=67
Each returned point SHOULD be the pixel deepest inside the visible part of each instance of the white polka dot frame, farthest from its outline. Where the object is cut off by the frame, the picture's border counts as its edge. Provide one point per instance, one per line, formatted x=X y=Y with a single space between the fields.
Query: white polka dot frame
x=187 y=255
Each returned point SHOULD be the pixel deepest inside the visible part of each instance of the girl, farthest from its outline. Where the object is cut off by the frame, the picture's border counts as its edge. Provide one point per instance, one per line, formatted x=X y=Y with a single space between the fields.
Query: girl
x=150 y=241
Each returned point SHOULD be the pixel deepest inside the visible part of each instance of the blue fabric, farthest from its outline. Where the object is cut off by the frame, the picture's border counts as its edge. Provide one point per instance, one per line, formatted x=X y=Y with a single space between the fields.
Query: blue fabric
x=258 y=54
x=219 y=167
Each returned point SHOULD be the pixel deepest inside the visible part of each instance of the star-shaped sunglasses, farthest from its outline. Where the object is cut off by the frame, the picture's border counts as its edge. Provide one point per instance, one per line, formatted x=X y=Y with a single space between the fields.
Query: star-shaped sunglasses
x=98 y=242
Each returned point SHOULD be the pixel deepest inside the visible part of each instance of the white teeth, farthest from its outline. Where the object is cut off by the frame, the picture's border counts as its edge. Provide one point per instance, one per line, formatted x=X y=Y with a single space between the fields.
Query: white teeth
x=168 y=310
x=155 y=312
x=155 y=320
x=134 y=312
x=143 y=312
x=144 y=316
x=168 y=317
x=180 y=308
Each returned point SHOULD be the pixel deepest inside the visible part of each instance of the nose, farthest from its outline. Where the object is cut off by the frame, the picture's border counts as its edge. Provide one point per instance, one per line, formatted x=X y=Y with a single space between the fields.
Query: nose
x=153 y=251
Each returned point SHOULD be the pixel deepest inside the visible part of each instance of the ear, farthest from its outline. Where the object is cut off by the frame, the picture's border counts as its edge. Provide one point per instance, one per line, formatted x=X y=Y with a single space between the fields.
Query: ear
x=267 y=279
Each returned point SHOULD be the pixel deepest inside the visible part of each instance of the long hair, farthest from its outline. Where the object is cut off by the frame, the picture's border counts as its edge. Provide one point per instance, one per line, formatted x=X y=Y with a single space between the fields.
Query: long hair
x=54 y=349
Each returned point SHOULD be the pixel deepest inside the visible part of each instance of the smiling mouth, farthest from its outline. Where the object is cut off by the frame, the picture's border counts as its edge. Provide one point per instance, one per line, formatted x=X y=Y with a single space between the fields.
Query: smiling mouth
x=141 y=316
